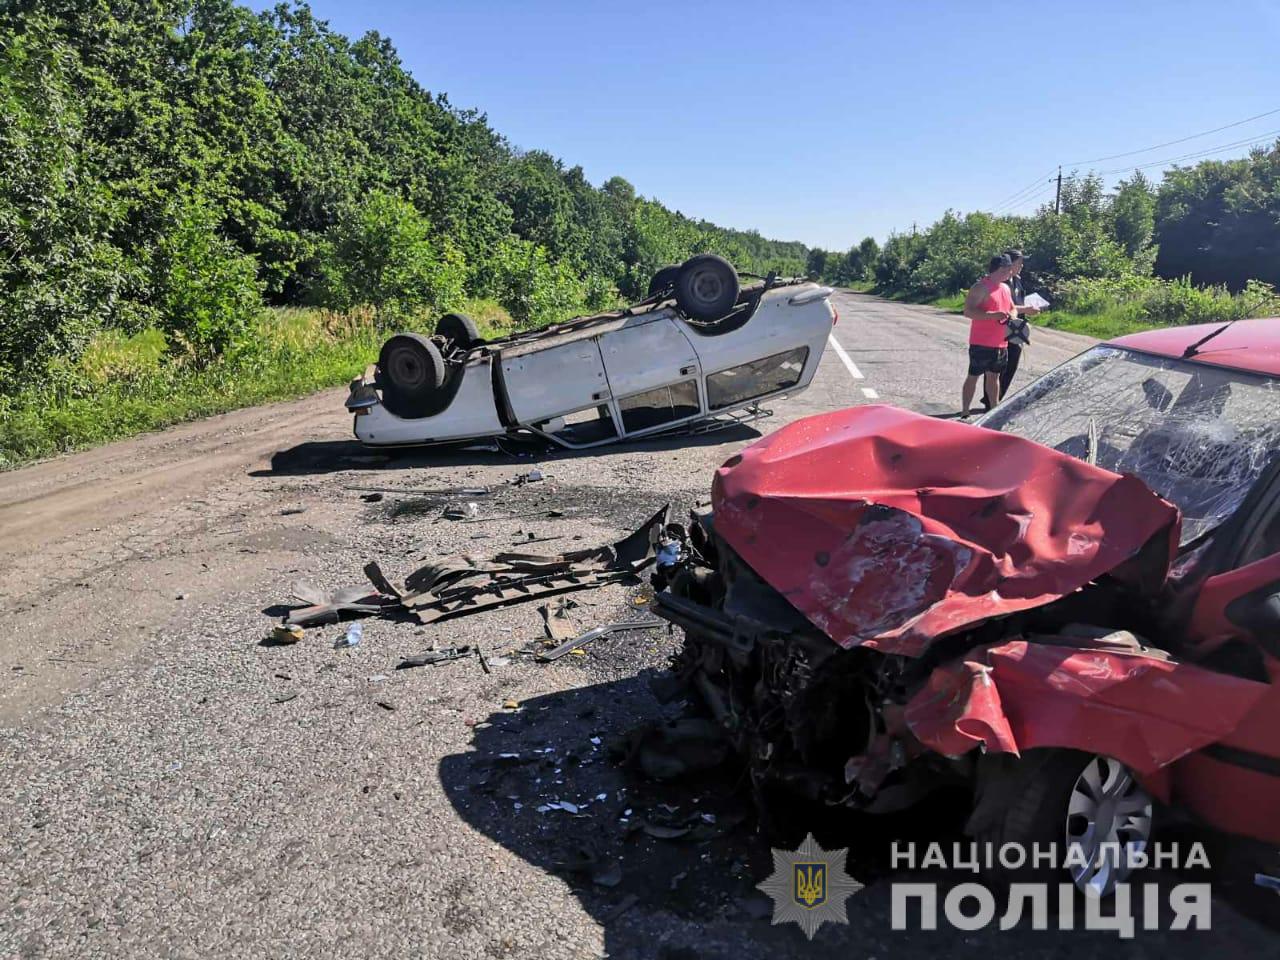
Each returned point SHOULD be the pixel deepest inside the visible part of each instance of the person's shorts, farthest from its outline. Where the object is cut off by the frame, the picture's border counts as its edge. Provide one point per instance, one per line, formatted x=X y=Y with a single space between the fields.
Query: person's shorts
x=987 y=360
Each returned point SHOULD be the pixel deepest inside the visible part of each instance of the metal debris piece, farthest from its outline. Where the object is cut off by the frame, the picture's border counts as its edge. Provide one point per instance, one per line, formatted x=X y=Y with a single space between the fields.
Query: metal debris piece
x=385 y=704
x=437 y=656
x=321 y=609
x=374 y=497
x=379 y=580
x=438 y=492
x=596 y=633
x=291 y=511
x=456 y=586
x=533 y=476
x=286 y=697
x=559 y=626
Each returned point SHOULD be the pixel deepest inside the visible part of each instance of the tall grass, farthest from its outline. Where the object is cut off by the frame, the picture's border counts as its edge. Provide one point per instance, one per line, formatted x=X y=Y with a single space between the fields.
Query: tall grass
x=1113 y=307
x=124 y=385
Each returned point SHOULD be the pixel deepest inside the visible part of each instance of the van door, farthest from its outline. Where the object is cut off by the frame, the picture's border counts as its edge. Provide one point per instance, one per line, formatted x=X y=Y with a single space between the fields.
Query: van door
x=653 y=373
x=543 y=382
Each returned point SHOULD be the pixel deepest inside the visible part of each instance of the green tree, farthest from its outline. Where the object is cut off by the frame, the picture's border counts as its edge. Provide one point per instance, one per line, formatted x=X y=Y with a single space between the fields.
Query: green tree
x=380 y=253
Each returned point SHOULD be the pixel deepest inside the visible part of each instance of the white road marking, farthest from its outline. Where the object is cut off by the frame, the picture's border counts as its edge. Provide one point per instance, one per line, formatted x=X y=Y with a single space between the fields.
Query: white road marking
x=870 y=394
x=845 y=358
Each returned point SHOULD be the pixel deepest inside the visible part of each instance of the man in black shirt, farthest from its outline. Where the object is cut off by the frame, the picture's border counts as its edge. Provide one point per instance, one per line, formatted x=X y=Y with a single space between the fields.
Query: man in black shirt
x=1014 y=283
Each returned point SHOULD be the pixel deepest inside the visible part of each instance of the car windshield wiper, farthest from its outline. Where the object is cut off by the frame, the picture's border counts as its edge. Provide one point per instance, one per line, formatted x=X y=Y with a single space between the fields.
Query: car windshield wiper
x=1194 y=349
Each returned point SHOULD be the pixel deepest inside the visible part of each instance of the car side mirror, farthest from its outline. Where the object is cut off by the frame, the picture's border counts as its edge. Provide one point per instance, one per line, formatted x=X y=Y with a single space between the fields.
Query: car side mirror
x=1157 y=394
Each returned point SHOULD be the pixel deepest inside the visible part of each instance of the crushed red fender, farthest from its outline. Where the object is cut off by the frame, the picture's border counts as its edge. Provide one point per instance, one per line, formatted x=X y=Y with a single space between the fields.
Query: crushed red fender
x=890 y=529
x=1145 y=711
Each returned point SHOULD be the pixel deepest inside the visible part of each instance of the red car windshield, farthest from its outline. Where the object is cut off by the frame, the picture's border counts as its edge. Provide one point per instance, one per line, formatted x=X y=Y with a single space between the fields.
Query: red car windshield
x=1197 y=435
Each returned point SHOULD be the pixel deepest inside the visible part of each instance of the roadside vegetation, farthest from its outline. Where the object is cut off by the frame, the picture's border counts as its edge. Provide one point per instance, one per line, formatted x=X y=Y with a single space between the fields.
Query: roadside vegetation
x=202 y=207
x=1203 y=244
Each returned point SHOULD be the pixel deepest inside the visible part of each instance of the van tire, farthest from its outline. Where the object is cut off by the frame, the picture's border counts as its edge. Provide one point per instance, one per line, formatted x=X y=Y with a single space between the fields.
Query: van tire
x=664 y=279
x=412 y=372
x=459 y=330
x=707 y=287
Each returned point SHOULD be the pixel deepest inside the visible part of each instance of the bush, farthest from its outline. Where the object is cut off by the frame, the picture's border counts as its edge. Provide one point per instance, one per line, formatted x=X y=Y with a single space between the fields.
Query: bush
x=209 y=293
x=1152 y=301
x=521 y=278
x=380 y=254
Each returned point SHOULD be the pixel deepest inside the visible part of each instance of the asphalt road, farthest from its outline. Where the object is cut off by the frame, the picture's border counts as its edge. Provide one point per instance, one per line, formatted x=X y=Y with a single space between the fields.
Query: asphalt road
x=174 y=788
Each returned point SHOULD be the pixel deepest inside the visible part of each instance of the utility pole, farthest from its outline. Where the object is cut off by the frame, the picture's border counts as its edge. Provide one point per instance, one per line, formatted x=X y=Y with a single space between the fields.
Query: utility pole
x=1057 y=197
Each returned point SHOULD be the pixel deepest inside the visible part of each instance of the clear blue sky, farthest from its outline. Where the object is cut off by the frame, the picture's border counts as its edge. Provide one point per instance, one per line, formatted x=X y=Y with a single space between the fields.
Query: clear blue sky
x=828 y=122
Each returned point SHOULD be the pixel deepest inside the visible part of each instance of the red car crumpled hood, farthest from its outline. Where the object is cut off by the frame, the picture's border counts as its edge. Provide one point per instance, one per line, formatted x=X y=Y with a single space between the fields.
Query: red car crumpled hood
x=889 y=529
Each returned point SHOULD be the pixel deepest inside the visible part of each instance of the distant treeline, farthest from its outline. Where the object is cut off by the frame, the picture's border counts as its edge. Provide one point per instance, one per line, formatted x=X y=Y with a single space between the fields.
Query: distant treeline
x=171 y=165
x=1214 y=225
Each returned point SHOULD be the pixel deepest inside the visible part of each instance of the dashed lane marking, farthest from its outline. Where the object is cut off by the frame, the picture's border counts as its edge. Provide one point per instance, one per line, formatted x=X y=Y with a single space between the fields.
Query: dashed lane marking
x=870 y=394
x=845 y=358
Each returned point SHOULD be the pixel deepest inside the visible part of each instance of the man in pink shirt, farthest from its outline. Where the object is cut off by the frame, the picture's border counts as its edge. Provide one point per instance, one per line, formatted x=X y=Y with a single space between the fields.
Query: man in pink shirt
x=988 y=306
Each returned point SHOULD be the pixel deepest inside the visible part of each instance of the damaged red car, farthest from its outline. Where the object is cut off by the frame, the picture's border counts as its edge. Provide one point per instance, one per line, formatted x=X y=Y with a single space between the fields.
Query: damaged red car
x=1072 y=606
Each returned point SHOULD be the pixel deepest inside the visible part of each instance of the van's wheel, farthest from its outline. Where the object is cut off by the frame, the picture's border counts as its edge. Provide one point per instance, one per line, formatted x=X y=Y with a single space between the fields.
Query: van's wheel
x=707 y=287
x=664 y=279
x=412 y=371
x=459 y=329
x=1091 y=803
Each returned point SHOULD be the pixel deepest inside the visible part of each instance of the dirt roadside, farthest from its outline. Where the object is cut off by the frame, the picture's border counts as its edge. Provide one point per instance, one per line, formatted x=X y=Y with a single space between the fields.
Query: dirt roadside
x=100 y=545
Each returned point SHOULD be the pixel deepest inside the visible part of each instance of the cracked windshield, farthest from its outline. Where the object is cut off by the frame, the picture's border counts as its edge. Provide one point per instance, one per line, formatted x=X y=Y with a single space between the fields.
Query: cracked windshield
x=1199 y=436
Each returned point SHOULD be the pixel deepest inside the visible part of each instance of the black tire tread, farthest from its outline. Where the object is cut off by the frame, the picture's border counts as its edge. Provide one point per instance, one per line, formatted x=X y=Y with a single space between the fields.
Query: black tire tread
x=460 y=330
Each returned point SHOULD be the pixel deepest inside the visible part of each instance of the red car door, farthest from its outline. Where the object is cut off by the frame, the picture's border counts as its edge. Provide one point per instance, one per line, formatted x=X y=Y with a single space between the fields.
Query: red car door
x=1235 y=784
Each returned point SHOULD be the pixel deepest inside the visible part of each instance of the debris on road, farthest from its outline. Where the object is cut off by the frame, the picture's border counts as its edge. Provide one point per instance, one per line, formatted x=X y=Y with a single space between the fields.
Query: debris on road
x=559 y=626
x=603 y=871
x=577 y=643
x=437 y=656
x=283 y=635
x=462 y=511
x=286 y=697
x=372 y=498
x=352 y=638
x=321 y=609
x=532 y=476
x=460 y=586
x=677 y=748
x=434 y=492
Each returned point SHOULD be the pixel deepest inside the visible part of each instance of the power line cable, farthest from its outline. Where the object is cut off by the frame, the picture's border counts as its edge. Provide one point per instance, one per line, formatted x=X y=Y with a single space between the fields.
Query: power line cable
x=1045 y=191
x=1170 y=143
x=1015 y=197
x=1253 y=141
x=1259 y=141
